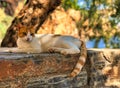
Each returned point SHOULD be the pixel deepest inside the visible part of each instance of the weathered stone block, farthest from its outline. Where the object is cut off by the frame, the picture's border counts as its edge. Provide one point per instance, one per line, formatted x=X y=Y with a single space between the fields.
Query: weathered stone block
x=48 y=70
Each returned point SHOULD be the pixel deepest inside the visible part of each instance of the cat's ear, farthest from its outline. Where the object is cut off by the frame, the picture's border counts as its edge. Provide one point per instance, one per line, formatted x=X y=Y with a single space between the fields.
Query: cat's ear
x=32 y=28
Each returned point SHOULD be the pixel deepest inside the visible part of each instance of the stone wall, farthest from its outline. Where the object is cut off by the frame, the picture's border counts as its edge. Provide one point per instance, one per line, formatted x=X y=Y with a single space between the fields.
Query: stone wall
x=48 y=70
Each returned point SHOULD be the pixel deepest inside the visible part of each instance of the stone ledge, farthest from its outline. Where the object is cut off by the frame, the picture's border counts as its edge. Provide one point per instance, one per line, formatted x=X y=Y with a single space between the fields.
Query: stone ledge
x=47 y=70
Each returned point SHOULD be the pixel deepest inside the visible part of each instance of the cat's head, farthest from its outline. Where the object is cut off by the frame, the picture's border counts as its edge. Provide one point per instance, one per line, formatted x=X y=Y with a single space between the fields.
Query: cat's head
x=26 y=33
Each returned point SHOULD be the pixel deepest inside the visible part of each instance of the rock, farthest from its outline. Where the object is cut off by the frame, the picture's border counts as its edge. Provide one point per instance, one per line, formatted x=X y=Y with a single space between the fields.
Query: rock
x=49 y=70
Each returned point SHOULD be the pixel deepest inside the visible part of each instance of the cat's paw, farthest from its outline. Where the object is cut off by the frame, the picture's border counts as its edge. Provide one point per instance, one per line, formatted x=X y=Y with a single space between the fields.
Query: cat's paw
x=65 y=52
x=51 y=50
x=8 y=50
x=69 y=51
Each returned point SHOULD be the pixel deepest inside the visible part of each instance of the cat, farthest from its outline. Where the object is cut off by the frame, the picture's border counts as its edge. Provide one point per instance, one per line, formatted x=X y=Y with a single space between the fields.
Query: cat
x=29 y=41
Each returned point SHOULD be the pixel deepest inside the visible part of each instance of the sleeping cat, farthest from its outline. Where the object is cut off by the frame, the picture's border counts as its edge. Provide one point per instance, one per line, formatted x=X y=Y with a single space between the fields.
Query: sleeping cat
x=28 y=41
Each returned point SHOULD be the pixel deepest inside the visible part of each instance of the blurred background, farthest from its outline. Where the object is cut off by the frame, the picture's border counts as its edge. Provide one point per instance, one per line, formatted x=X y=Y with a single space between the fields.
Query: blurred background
x=95 y=21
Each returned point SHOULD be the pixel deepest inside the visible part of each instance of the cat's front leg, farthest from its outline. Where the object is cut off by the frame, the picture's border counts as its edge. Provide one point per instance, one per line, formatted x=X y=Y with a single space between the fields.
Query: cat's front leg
x=54 y=49
x=18 y=50
x=63 y=50
x=12 y=50
x=70 y=51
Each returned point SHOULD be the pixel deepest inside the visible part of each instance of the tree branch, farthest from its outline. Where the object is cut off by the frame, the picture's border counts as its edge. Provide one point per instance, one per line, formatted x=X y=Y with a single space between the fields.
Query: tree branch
x=34 y=13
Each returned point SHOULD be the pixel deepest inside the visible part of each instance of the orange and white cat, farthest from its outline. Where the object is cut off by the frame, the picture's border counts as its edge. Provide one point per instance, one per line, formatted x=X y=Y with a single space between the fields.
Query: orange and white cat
x=31 y=42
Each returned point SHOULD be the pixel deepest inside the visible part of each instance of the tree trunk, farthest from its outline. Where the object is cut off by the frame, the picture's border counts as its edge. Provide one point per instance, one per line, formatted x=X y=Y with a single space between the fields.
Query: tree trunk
x=33 y=13
x=45 y=70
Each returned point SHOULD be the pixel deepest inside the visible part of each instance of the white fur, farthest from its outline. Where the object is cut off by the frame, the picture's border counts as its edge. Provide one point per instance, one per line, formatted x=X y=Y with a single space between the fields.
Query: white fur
x=44 y=42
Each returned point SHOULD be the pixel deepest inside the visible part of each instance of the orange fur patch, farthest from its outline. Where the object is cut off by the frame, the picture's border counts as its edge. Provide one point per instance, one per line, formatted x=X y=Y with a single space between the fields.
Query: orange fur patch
x=81 y=62
x=24 y=30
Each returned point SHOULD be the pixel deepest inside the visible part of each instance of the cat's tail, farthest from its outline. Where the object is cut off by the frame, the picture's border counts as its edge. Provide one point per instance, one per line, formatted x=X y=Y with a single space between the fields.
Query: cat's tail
x=81 y=61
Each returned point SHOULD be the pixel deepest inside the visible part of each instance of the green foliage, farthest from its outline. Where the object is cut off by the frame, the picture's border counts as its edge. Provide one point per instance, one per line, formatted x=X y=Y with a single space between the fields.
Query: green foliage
x=4 y=4
x=70 y=4
x=5 y=21
x=103 y=16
